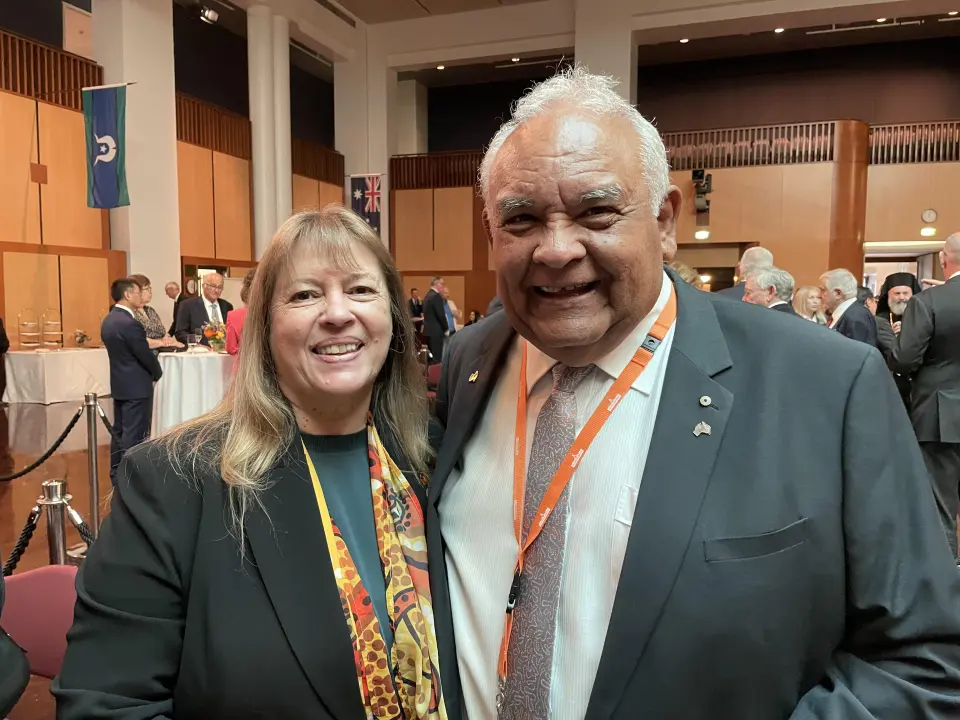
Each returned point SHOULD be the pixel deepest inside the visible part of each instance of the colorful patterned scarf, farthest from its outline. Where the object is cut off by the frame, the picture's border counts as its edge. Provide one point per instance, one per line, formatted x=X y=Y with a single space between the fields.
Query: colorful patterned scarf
x=406 y=685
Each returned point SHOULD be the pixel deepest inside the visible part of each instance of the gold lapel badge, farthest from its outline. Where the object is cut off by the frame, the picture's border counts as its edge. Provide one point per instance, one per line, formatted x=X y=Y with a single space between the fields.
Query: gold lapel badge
x=701 y=429
x=474 y=376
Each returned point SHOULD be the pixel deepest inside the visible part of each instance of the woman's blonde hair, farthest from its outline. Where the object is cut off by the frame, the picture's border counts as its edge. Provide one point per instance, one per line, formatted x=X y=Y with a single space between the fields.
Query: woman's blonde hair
x=800 y=299
x=252 y=427
x=686 y=273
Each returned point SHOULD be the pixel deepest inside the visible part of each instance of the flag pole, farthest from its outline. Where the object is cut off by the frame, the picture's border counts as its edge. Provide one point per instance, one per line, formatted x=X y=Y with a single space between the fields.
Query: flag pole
x=107 y=87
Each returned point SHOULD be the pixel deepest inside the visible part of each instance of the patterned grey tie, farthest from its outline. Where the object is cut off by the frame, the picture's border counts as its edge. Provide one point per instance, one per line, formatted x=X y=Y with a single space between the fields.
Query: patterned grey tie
x=526 y=695
x=215 y=313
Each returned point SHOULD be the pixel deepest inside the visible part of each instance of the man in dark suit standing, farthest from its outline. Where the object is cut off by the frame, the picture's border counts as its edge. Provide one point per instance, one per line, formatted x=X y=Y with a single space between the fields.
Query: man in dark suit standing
x=928 y=351
x=749 y=536
x=838 y=291
x=752 y=261
x=208 y=307
x=134 y=369
x=435 y=326
x=172 y=290
x=415 y=305
x=771 y=288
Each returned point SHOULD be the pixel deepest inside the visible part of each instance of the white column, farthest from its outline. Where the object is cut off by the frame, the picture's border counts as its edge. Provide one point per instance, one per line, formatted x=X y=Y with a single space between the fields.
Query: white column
x=411 y=118
x=605 y=43
x=133 y=41
x=260 y=79
x=281 y=117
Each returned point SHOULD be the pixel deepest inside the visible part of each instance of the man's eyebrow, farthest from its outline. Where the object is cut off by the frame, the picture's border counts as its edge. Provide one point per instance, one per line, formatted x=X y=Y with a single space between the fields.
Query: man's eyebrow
x=510 y=204
x=610 y=192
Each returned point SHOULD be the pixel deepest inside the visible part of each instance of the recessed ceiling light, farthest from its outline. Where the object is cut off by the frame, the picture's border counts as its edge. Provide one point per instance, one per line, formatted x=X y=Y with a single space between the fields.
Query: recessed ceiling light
x=778 y=30
x=951 y=14
x=440 y=67
x=881 y=19
x=705 y=278
x=701 y=234
x=928 y=231
x=515 y=59
x=685 y=40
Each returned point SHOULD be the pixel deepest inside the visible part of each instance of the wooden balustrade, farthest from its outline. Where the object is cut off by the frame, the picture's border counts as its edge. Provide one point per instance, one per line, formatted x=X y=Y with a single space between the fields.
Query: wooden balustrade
x=915 y=143
x=40 y=71
x=434 y=170
x=212 y=127
x=320 y=163
x=751 y=146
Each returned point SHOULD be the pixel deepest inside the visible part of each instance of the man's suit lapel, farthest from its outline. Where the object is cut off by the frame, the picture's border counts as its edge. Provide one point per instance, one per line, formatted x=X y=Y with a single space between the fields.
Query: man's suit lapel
x=468 y=391
x=290 y=552
x=678 y=470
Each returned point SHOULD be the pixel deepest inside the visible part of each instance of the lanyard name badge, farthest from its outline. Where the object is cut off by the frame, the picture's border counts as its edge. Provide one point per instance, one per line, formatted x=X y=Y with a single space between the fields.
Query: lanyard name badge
x=638 y=363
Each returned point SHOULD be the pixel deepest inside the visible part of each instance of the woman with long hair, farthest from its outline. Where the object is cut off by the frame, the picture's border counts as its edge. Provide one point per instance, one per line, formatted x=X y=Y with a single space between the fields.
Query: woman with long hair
x=157 y=336
x=236 y=318
x=807 y=302
x=268 y=560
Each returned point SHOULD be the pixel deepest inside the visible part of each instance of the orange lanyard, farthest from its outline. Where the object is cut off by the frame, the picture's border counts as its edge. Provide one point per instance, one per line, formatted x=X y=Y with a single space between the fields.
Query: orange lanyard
x=575 y=454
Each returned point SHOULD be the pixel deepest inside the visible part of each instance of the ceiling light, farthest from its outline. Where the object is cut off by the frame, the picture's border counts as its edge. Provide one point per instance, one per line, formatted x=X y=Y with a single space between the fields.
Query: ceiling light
x=951 y=14
x=685 y=40
x=881 y=19
x=440 y=67
x=778 y=30
x=701 y=234
x=209 y=16
x=928 y=231
x=705 y=278
x=515 y=59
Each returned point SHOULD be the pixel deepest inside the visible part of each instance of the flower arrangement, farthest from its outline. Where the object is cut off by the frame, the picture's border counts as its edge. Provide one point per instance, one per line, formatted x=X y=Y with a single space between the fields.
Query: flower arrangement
x=81 y=338
x=216 y=335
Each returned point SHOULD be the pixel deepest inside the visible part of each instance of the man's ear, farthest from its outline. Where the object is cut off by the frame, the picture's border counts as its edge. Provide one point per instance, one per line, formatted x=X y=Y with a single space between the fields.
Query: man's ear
x=667 y=222
x=485 y=218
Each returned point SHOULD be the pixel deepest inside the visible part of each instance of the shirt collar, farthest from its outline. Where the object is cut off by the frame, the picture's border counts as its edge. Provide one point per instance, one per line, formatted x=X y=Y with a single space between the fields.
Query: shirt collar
x=778 y=302
x=129 y=310
x=841 y=309
x=539 y=364
x=956 y=274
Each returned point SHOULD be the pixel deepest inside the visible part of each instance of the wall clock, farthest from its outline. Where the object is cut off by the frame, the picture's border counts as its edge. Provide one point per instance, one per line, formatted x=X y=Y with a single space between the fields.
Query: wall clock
x=929 y=216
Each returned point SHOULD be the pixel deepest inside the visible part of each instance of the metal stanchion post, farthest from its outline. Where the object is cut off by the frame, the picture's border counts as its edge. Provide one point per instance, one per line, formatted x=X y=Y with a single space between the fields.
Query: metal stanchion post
x=90 y=403
x=53 y=501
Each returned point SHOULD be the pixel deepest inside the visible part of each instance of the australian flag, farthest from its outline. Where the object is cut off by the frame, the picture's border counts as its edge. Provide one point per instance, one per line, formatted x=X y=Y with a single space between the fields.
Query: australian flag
x=365 y=198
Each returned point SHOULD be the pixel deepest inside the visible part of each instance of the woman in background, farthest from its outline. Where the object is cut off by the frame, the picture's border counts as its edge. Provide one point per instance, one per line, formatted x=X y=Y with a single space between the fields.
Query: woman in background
x=806 y=301
x=236 y=318
x=268 y=560
x=157 y=336
x=473 y=318
x=686 y=273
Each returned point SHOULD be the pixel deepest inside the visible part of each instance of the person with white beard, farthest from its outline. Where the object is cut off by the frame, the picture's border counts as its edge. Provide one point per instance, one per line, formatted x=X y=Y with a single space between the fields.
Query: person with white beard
x=894 y=295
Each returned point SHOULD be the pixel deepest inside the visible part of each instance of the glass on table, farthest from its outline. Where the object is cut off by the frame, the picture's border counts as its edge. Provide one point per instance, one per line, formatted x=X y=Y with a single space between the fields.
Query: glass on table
x=192 y=342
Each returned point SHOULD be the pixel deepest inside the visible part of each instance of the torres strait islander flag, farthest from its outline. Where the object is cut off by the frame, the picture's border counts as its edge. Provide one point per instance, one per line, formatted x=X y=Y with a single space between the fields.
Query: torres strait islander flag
x=104 y=114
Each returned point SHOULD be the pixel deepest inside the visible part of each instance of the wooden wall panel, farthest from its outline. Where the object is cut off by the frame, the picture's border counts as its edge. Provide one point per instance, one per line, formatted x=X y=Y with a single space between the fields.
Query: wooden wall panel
x=306 y=193
x=231 y=203
x=19 y=197
x=83 y=309
x=704 y=256
x=30 y=281
x=453 y=228
x=195 y=191
x=413 y=230
x=330 y=194
x=898 y=194
x=801 y=244
x=66 y=218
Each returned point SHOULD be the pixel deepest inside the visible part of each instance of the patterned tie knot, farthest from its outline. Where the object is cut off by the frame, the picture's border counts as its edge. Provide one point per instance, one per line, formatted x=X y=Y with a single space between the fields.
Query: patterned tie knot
x=566 y=378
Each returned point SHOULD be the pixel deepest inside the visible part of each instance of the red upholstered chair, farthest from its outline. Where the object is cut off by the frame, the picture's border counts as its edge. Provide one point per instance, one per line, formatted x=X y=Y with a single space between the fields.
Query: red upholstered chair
x=433 y=376
x=37 y=613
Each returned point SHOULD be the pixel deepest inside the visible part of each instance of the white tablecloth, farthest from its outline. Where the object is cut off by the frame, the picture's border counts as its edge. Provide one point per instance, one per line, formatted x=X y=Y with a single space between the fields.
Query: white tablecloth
x=33 y=428
x=192 y=384
x=56 y=376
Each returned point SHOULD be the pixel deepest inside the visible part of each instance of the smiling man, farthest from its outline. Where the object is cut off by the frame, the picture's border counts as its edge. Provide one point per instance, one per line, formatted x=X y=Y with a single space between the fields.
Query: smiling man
x=633 y=521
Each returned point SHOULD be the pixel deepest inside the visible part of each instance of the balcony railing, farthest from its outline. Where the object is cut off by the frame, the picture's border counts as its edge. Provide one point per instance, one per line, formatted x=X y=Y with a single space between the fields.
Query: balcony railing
x=43 y=72
x=750 y=146
x=915 y=143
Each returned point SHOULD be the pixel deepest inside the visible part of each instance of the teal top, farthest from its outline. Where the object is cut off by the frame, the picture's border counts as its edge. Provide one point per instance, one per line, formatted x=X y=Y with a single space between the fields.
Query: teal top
x=343 y=466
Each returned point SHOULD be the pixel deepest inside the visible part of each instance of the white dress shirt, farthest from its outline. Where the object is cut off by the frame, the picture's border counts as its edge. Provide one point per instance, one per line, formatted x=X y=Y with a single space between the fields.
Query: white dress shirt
x=477 y=523
x=956 y=274
x=129 y=310
x=213 y=311
x=841 y=309
x=778 y=302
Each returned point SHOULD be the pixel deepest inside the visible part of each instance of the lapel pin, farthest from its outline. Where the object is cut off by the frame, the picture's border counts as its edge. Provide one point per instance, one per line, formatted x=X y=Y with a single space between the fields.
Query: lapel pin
x=473 y=378
x=701 y=429
x=705 y=400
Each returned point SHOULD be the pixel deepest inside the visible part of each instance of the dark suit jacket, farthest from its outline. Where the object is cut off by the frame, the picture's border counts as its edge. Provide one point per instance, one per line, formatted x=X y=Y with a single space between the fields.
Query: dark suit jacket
x=928 y=350
x=495 y=305
x=434 y=315
x=416 y=307
x=193 y=314
x=173 y=621
x=858 y=323
x=785 y=308
x=133 y=365
x=762 y=580
x=733 y=293
x=886 y=341
x=176 y=308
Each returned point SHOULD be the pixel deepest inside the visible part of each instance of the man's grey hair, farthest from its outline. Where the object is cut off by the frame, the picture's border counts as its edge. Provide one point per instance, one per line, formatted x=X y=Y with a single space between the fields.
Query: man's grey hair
x=781 y=281
x=842 y=280
x=754 y=260
x=578 y=89
x=951 y=247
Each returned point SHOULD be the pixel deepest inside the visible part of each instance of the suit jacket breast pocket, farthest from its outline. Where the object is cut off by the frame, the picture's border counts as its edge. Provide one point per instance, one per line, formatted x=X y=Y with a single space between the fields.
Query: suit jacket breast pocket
x=755 y=546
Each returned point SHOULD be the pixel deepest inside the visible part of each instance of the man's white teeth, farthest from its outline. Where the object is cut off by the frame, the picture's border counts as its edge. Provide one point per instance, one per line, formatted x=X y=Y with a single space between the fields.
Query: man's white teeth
x=338 y=349
x=565 y=288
